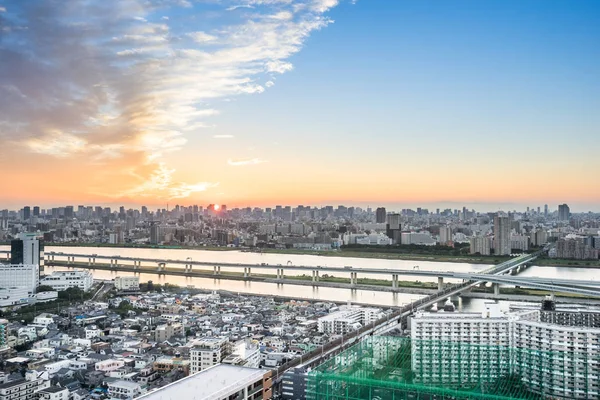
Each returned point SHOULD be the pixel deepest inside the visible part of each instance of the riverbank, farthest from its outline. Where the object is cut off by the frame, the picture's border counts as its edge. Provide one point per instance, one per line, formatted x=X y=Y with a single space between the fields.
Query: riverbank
x=542 y=262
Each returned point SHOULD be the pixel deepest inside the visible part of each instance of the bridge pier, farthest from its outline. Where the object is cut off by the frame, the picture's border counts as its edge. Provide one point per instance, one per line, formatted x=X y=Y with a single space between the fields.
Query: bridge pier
x=315 y=276
x=247 y=272
x=353 y=278
x=440 y=283
x=280 y=273
x=394 y=281
x=496 y=289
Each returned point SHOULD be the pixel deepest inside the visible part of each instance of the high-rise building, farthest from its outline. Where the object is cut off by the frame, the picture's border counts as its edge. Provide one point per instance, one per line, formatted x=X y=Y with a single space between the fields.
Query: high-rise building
x=480 y=245
x=69 y=212
x=394 y=228
x=546 y=210
x=501 y=235
x=28 y=249
x=563 y=212
x=380 y=215
x=155 y=234
x=550 y=358
x=26 y=213
x=445 y=235
x=36 y=211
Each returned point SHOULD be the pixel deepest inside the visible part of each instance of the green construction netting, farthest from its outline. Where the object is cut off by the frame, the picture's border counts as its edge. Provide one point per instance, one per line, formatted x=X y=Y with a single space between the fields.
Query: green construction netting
x=394 y=368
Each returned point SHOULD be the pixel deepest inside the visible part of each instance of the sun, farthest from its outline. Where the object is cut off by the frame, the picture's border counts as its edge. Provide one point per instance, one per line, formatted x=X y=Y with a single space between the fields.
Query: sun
x=217 y=206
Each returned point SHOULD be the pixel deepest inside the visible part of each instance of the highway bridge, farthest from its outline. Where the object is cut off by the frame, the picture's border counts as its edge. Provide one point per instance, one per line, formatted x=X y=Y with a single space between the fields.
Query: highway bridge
x=397 y=319
x=495 y=275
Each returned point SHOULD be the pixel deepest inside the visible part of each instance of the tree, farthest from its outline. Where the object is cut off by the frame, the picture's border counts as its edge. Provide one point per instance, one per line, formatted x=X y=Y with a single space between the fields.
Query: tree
x=150 y=286
x=44 y=288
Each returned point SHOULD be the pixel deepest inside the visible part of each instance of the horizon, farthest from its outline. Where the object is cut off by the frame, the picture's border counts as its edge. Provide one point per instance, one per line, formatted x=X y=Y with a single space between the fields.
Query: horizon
x=490 y=104
x=390 y=207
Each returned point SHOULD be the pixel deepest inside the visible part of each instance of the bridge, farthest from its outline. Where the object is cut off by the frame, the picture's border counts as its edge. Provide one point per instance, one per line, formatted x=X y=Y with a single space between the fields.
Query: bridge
x=397 y=318
x=495 y=275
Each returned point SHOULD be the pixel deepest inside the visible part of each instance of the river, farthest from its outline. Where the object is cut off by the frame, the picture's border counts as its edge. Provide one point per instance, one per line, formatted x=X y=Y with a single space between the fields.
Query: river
x=317 y=293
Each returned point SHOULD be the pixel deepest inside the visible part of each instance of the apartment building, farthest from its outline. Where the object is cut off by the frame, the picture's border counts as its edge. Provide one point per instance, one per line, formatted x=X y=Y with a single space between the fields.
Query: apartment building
x=63 y=280
x=554 y=360
x=208 y=352
x=348 y=319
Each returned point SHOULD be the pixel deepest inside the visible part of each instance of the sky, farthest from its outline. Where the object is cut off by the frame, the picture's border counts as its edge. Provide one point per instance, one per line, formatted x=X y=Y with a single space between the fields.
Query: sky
x=490 y=104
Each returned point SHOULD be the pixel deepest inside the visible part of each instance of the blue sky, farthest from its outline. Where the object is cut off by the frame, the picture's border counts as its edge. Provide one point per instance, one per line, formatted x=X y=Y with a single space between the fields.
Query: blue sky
x=315 y=101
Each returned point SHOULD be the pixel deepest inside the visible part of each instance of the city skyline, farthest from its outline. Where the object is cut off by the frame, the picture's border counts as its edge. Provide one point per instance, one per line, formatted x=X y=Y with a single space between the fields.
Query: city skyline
x=272 y=102
x=429 y=207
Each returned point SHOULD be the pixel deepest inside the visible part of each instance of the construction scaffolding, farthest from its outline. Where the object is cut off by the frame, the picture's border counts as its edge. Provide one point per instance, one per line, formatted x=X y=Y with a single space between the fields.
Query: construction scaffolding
x=394 y=368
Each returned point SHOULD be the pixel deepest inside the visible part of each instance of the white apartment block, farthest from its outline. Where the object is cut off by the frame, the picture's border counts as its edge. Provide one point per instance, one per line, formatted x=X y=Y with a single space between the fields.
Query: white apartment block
x=127 y=282
x=481 y=245
x=124 y=390
x=347 y=320
x=63 y=280
x=208 y=352
x=554 y=360
x=22 y=389
x=20 y=275
x=54 y=393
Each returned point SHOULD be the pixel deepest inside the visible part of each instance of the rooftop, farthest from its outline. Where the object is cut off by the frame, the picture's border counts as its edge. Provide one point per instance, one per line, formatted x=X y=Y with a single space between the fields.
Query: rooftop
x=208 y=384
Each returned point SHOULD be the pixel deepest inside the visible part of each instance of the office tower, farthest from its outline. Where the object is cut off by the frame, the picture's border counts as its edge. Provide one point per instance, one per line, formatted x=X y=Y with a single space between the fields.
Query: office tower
x=26 y=213
x=393 y=228
x=36 y=211
x=155 y=233
x=380 y=215
x=563 y=212
x=546 y=210
x=501 y=235
x=27 y=250
x=69 y=212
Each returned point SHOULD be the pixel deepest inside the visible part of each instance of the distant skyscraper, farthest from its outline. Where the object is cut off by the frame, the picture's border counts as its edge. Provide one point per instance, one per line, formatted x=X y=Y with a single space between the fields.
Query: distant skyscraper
x=26 y=213
x=393 y=228
x=445 y=235
x=546 y=210
x=36 y=211
x=380 y=215
x=69 y=212
x=501 y=235
x=27 y=250
x=563 y=212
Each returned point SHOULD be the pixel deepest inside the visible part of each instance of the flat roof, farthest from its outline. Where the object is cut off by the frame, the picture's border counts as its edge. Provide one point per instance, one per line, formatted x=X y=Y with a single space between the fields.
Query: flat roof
x=210 y=384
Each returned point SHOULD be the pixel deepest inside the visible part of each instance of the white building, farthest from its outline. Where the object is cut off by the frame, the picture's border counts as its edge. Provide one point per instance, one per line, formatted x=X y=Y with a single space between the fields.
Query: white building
x=10 y=296
x=22 y=389
x=481 y=245
x=124 y=389
x=63 y=280
x=220 y=382
x=208 y=352
x=244 y=354
x=348 y=319
x=109 y=365
x=418 y=238
x=127 y=282
x=445 y=234
x=555 y=360
x=20 y=275
x=53 y=393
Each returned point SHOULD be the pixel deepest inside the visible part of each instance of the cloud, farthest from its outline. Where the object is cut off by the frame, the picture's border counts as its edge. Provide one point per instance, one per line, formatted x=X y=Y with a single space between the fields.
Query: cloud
x=202 y=37
x=2 y=9
x=127 y=81
x=223 y=136
x=232 y=8
x=242 y=162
